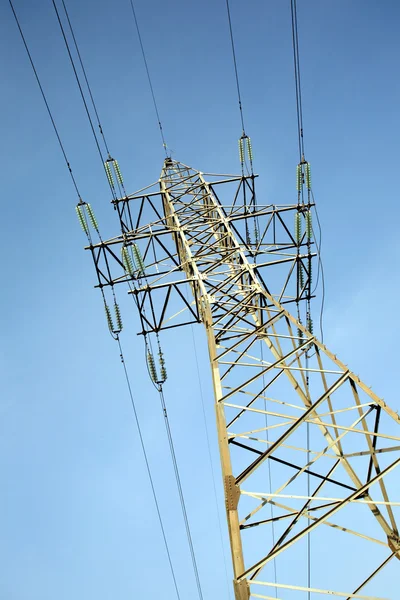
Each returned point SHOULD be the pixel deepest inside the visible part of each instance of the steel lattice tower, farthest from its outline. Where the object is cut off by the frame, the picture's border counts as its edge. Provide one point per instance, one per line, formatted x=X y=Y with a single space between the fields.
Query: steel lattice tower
x=275 y=385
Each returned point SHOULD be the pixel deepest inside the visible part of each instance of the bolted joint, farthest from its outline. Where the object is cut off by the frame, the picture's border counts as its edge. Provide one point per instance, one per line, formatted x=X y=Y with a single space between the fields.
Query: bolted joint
x=242 y=589
x=232 y=492
x=394 y=544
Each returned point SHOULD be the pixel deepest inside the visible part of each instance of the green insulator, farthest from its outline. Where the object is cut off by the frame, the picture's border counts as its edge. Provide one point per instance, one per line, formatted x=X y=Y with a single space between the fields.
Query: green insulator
x=308 y=175
x=300 y=335
x=301 y=276
x=241 y=150
x=249 y=149
x=299 y=178
x=109 y=317
x=118 y=172
x=297 y=226
x=118 y=316
x=309 y=271
x=92 y=217
x=256 y=235
x=163 y=370
x=81 y=218
x=310 y=325
x=309 y=224
x=152 y=366
x=109 y=173
x=127 y=260
x=138 y=259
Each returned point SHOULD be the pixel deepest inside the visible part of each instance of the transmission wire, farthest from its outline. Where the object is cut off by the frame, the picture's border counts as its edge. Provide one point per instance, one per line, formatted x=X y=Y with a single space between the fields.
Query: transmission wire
x=85 y=76
x=235 y=65
x=81 y=93
x=180 y=491
x=296 y=60
x=158 y=386
x=119 y=342
x=147 y=464
x=300 y=134
x=45 y=99
x=149 y=79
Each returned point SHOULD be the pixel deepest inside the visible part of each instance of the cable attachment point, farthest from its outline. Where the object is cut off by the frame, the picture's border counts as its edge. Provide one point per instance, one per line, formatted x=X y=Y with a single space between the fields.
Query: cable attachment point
x=82 y=217
x=297 y=226
x=161 y=360
x=139 y=263
x=310 y=324
x=107 y=166
x=113 y=170
x=127 y=261
x=303 y=174
x=158 y=378
x=245 y=149
x=84 y=210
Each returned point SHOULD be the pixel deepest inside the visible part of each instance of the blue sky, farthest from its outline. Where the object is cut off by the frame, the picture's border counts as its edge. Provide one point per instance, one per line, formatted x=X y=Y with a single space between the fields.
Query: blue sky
x=78 y=518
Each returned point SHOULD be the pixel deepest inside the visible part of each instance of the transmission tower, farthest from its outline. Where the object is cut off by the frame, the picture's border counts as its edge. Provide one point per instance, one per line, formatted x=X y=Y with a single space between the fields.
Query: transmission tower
x=282 y=399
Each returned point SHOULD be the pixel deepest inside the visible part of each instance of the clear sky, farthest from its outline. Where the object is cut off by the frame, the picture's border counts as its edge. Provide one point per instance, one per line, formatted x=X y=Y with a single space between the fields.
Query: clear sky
x=77 y=517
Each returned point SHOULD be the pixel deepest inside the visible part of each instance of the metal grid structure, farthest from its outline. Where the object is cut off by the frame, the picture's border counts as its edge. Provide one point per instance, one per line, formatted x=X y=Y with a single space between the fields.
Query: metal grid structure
x=282 y=399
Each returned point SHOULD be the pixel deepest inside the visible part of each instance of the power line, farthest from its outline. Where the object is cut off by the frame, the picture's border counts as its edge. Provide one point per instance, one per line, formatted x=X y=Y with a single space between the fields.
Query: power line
x=235 y=65
x=300 y=135
x=149 y=79
x=45 y=99
x=297 y=77
x=158 y=386
x=85 y=76
x=82 y=94
x=148 y=466
x=78 y=81
x=180 y=491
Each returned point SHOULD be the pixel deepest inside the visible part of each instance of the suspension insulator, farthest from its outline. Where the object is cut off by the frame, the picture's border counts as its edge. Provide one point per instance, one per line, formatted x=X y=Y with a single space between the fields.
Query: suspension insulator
x=310 y=325
x=309 y=224
x=81 y=218
x=138 y=259
x=301 y=276
x=92 y=217
x=308 y=175
x=299 y=178
x=163 y=370
x=152 y=367
x=297 y=226
x=249 y=149
x=300 y=335
x=309 y=270
x=109 y=317
x=256 y=235
x=118 y=172
x=241 y=150
x=118 y=316
x=248 y=238
x=127 y=260
x=109 y=173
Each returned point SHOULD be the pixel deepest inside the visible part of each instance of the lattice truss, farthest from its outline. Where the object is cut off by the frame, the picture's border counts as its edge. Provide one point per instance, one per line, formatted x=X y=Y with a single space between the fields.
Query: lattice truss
x=308 y=451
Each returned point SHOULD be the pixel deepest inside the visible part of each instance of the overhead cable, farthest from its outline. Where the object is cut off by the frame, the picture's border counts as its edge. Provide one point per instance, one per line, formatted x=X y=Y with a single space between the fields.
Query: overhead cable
x=45 y=99
x=235 y=65
x=297 y=77
x=86 y=79
x=82 y=94
x=149 y=80
x=144 y=452
x=180 y=491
